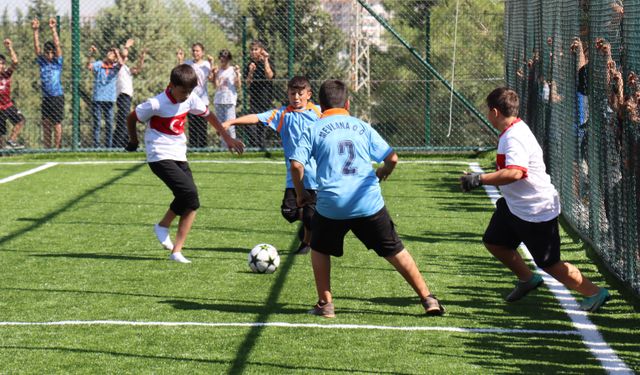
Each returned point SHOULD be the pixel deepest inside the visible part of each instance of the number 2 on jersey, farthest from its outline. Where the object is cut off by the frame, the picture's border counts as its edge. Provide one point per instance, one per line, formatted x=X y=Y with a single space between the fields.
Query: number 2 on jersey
x=347 y=147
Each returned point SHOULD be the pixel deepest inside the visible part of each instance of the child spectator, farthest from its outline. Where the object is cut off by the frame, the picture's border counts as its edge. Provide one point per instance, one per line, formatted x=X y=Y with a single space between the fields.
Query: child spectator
x=260 y=74
x=227 y=81
x=349 y=195
x=290 y=122
x=197 y=125
x=166 y=148
x=529 y=208
x=8 y=110
x=105 y=73
x=50 y=63
x=124 y=92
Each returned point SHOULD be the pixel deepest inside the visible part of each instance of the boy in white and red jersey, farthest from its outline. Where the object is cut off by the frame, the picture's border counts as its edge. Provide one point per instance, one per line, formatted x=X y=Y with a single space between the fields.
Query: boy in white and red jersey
x=166 y=148
x=8 y=109
x=529 y=208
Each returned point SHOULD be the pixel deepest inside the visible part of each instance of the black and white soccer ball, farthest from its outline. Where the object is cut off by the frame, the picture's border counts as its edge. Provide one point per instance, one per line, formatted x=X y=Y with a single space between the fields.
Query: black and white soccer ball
x=263 y=258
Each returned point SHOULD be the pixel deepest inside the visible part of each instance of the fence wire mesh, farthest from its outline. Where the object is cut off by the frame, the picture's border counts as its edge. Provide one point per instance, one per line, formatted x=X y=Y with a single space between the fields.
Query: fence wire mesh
x=401 y=58
x=574 y=63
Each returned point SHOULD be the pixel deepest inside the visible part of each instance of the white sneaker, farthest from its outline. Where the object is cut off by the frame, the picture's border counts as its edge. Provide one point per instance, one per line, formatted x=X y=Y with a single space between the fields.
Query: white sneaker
x=162 y=234
x=178 y=257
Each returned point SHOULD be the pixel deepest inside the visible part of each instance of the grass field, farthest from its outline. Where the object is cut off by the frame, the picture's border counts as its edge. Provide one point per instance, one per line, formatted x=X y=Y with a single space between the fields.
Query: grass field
x=77 y=246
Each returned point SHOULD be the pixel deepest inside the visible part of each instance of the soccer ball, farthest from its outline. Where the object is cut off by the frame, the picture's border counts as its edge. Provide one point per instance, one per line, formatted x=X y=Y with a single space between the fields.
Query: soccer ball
x=263 y=258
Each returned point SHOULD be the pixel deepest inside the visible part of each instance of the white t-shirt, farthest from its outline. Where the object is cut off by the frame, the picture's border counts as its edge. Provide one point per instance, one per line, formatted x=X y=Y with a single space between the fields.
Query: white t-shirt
x=226 y=93
x=124 y=81
x=202 y=68
x=164 y=137
x=532 y=198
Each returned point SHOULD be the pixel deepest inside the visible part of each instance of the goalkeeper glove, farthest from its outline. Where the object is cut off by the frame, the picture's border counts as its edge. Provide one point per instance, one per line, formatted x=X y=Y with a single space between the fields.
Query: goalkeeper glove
x=131 y=146
x=470 y=181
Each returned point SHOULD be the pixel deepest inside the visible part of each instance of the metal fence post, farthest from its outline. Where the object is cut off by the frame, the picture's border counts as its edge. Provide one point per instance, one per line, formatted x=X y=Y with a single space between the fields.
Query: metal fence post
x=75 y=72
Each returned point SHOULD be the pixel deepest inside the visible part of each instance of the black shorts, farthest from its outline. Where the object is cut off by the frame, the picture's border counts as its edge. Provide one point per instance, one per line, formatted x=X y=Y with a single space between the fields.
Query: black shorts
x=13 y=114
x=376 y=232
x=542 y=239
x=289 y=208
x=53 y=108
x=177 y=176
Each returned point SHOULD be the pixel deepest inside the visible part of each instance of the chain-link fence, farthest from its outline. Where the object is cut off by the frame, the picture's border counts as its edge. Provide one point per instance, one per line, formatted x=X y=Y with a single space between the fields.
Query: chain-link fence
x=417 y=69
x=574 y=63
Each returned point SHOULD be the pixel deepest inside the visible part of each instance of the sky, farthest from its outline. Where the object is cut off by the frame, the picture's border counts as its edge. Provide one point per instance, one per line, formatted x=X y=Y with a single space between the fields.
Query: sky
x=87 y=7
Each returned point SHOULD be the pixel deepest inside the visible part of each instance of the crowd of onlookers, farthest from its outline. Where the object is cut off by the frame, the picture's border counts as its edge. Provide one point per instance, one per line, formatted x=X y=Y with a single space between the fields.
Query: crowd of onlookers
x=113 y=89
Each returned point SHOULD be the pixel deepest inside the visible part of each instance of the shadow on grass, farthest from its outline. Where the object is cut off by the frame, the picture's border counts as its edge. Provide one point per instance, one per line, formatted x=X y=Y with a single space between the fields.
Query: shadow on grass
x=38 y=222
x=274 y=366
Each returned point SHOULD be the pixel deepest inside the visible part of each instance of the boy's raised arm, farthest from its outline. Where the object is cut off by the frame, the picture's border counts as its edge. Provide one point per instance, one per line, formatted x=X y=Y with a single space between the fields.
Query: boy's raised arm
x=56 y=39
x=242 y=120
x=14 y=57
x=90 y=59
x=35 y=25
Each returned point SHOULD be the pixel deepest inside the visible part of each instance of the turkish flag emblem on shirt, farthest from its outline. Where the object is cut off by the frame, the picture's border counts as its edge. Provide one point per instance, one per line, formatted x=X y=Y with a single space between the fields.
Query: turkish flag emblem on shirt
x=169 y=125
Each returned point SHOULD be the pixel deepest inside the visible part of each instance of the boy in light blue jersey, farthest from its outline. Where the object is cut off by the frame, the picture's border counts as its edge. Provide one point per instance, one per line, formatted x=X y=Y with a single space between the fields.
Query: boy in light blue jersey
x=290 y=122
x=349 y=195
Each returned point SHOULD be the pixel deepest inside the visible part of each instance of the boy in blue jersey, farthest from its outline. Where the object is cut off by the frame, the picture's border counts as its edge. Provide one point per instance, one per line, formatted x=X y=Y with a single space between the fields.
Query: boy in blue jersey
x=349 y=195
x=290 y=122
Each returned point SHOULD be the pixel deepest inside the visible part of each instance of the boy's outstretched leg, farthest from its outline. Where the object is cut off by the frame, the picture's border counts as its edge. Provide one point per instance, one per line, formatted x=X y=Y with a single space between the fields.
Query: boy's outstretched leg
x=184 y=226
x=321 y=264
x=404 y=263
x=511 y=258
x=572 y=278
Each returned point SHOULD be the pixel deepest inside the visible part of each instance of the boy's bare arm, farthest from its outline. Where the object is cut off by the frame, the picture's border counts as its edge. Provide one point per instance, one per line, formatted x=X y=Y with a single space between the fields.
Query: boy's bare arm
x=470 y=181
x=242 y=120
x=297 y=172
x=90 y=59
x=233 y=144
x=12 y=53
x=132 y=119
x=138 y=68
x=35 y=24
x=389 y=165
x=56 y=39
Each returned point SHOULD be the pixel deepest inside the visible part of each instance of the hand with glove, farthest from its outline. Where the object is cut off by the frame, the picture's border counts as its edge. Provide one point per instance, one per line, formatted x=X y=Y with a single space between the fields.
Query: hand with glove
x=470 y=181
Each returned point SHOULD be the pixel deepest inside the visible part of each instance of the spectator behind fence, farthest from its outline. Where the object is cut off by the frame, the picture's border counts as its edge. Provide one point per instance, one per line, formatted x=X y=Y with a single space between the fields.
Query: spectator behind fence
x=105 y=73
x=124 y=92
x=50 y=63
x=226 y=80
x=202 y=67
x=8 y=110
x=260 y=74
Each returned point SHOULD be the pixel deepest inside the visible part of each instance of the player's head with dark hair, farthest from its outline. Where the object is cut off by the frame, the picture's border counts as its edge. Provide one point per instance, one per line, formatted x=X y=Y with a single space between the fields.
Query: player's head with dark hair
x=197 y=51
x=299 y=83
x=49 y=50
x=225 y=54
x=183 y=80
x=333 y=94
x=299 y=92
x=258 y=43
x=505 y=100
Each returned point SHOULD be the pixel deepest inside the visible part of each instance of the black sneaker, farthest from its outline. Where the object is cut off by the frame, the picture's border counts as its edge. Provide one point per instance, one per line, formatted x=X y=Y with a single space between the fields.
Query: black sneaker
x=14 y=145
x=303 y=249
x=523 y=288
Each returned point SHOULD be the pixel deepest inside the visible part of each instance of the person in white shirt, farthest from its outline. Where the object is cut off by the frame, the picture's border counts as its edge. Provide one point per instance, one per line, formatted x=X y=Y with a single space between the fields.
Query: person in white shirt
x=124 y=92
x=166 y=148
x=529 y=208
x=227 y=81
x=202 y=67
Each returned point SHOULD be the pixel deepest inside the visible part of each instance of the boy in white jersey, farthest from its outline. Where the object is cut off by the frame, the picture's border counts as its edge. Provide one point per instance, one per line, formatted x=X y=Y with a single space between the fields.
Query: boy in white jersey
x=349 y=195
x=528 y=211
x=166 y=147
x=290 y=122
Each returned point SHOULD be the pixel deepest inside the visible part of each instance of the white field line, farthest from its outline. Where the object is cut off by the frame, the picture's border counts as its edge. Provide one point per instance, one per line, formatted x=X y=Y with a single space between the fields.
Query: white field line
x=293 y=325
x=231 y=161
x=585 y=328
x=26 y=173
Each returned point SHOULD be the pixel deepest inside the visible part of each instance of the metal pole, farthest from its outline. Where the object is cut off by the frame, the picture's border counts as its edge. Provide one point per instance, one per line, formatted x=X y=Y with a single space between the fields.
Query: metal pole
x=292 y=26
x=75 y=72
x=427 y=87
x=245 y=63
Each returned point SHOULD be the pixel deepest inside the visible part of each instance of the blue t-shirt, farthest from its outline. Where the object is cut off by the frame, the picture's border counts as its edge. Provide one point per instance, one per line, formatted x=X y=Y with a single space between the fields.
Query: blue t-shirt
x=104 y=83
x=344 y=147
x=290 y=127
x=50 y=75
